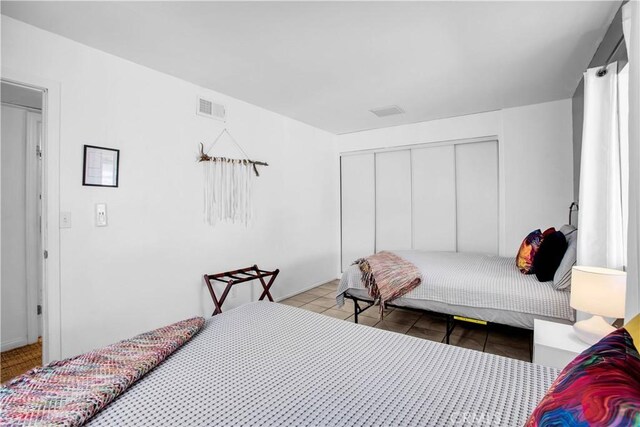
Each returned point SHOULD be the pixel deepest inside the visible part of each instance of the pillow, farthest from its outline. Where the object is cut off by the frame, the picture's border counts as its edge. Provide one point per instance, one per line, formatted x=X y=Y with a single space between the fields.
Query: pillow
x=633 y=327
x=562 y=278
x=548 y=231
x=549 y=256
x=600 y=387
x=567 y=228
x=527 y=251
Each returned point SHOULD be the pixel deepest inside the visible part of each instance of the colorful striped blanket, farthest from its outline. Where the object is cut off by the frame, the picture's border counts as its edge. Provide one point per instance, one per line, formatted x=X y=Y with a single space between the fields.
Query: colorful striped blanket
x=69 y=392
x=387 y=277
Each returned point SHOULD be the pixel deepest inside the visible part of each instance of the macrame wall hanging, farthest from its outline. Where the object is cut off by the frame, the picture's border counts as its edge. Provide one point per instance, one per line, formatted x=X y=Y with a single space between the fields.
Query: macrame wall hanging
x=228 y=185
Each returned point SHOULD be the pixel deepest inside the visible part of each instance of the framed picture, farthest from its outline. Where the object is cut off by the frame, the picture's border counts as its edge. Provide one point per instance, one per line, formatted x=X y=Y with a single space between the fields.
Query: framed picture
x=100 y=167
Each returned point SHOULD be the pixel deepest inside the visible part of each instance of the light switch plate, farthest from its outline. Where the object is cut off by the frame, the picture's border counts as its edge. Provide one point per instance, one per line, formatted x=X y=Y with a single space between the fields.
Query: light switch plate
x=65 y=219
x=101 y=215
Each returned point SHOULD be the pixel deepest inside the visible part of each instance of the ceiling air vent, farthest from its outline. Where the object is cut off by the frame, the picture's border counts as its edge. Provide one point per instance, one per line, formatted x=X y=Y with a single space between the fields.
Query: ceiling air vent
x=207 y=108
x=387 y=111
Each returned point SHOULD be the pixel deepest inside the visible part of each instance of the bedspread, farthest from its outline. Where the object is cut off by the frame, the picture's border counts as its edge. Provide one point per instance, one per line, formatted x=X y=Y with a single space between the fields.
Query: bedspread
x=475 y=280
x=270 y=365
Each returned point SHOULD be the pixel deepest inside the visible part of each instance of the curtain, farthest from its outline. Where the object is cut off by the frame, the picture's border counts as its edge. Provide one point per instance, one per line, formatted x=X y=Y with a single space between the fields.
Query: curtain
x=601 y=235
x=631 y=29
x=623 y=129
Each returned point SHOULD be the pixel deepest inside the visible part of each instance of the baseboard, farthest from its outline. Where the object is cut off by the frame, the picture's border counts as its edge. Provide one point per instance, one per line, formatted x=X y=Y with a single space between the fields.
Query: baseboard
x=304 y=290
x=10 y=345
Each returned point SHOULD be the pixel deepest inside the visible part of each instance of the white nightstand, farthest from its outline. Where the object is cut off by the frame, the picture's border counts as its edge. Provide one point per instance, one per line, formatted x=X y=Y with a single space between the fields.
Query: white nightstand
x=555 y=344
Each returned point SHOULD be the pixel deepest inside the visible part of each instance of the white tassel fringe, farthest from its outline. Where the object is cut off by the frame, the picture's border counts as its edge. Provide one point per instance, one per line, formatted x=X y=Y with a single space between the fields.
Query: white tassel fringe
x=228 y=189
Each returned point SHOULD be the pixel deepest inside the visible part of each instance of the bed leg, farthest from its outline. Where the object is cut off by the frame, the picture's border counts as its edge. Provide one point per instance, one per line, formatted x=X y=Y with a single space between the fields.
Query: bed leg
x=451 y=323
x=355 y=311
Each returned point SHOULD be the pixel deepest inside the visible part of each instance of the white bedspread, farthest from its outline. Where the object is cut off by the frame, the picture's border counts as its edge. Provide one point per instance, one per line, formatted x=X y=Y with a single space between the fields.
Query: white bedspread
x=269 y=364
x=474 y=280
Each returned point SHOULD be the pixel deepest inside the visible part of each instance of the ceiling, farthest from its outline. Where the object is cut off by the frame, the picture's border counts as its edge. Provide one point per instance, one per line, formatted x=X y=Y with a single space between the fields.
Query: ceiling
x=328 y=63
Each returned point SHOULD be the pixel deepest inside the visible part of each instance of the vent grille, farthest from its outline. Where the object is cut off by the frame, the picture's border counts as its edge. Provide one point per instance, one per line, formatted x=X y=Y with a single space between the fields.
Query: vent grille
x=387 y=111
x=207 y=108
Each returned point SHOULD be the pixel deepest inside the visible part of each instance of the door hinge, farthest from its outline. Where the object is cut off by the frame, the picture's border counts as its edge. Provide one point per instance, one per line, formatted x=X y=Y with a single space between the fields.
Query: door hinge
x=38 y=152
x=46 y=254
x=39 y=309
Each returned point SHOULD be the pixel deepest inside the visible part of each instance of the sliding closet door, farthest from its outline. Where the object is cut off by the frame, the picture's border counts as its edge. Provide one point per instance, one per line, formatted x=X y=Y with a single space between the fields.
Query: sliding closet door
x=358 y=207
x=393 y=200
x=434 y=198
x=477 y=197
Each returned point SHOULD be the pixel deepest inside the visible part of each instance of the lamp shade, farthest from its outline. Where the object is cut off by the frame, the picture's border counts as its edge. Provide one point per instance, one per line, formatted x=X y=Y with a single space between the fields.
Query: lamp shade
x=599 y=291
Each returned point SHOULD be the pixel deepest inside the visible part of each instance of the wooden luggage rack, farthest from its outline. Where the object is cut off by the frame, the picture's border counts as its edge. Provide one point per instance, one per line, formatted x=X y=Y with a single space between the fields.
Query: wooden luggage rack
x=236 y=277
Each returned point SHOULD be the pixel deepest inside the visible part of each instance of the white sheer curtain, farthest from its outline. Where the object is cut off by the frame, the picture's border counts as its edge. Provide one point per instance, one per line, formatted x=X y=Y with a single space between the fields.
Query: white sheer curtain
x=623 y=126
x=631 y=28
x=601 y=234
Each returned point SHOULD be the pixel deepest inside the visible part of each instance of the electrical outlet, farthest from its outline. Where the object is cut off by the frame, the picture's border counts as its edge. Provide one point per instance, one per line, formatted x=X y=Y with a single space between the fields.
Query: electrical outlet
x=65 y=219
x=101 y=215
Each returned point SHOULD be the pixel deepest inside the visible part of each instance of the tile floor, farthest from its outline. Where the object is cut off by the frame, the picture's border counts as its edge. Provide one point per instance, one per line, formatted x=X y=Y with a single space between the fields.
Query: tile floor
x=20 y=360
x=496 y=339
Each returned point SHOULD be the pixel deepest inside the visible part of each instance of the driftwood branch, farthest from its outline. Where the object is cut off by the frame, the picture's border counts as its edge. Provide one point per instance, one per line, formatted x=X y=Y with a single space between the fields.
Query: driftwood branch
x=203 y=157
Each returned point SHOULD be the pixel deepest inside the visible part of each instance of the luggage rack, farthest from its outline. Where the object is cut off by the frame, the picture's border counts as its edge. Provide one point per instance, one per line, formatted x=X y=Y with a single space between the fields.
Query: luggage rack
x=235 y=277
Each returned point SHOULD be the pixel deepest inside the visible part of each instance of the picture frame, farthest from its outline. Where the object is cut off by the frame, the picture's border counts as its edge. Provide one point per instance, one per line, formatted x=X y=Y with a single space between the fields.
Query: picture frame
x=100 y=167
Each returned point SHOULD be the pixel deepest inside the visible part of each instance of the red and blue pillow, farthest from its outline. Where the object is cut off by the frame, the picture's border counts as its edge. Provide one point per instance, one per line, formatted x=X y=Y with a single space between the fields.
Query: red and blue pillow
x=600 y=387
x=529 y=249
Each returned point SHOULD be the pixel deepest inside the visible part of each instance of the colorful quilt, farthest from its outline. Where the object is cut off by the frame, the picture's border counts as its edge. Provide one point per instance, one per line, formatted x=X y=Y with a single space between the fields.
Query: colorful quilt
x=387 y=277
x=70 y=391
x=600 y=387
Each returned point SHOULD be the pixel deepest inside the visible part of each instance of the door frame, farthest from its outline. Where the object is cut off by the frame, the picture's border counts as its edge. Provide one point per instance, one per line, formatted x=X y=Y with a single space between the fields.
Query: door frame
x=50 y=184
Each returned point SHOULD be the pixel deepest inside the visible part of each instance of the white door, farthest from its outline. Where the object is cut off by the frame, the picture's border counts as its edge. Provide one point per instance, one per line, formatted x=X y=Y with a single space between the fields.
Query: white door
x=21 y=260
x=34 y=225
x=434 y=198
x=477 y=197
x=393 y=200
x=358 y=207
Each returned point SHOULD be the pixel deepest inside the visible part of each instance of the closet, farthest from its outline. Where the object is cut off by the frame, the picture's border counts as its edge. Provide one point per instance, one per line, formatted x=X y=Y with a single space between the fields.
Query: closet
x=438 y=197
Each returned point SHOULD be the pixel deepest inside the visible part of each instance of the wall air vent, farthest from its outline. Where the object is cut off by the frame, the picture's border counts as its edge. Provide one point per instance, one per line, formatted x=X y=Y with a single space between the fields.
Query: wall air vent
x=207 y=108
x=387 y=111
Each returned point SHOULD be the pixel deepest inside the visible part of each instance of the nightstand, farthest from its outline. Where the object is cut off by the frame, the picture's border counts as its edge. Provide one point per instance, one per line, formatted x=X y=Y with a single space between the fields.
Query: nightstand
x=555 y=344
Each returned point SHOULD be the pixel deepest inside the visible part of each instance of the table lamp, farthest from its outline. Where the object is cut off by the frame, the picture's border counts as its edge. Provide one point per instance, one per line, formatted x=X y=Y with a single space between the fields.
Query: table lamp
x=597 y=291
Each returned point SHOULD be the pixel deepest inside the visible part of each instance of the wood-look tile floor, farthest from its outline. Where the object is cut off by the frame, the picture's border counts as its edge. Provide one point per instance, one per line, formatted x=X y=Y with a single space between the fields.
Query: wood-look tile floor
x=20 y=360
x=496 y=339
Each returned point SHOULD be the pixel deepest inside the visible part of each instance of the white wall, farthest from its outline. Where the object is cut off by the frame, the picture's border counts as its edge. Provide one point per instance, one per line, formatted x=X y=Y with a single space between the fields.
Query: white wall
x=14 y=268
x=145 y=269
x=536 y=169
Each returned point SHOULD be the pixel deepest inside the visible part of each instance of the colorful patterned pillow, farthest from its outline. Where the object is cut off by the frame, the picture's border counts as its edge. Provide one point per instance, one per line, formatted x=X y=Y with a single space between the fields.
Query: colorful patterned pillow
x=527 y=251
x=600 y=387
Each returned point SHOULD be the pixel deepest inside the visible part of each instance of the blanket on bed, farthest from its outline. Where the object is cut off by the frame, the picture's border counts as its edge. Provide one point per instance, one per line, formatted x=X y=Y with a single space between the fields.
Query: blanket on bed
x=387 y=277
x=70 y=391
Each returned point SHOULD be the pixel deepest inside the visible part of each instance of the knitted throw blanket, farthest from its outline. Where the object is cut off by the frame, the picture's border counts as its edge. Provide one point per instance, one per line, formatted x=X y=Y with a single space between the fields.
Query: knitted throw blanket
x=387 y=277
x=69 y=392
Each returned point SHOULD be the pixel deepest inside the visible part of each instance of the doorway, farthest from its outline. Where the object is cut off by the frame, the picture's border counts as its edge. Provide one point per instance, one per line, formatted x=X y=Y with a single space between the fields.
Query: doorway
x=22 y=261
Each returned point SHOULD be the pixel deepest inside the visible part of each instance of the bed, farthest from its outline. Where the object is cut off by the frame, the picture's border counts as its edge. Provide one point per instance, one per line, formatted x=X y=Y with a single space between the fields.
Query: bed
x=484 y=287
x=270 y=364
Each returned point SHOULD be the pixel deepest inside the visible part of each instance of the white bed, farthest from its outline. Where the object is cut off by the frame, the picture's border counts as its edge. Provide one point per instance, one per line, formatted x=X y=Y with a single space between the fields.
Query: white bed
x=271 y=365
x=484 y=287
